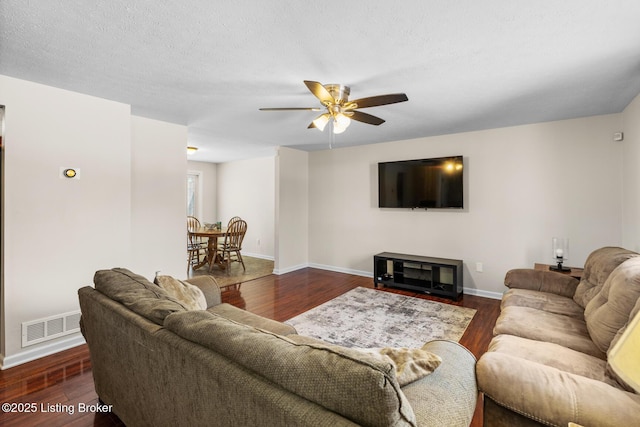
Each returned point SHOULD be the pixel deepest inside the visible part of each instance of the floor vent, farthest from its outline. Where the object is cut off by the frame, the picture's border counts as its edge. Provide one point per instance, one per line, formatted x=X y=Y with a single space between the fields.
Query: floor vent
x=49 y=328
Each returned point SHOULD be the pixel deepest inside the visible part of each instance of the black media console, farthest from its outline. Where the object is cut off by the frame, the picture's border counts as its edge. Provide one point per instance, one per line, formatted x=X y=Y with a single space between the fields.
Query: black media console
x=437 y=276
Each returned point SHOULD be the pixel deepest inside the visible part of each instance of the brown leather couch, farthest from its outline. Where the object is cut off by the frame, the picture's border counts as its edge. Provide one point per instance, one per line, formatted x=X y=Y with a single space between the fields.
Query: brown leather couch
x=547 y=363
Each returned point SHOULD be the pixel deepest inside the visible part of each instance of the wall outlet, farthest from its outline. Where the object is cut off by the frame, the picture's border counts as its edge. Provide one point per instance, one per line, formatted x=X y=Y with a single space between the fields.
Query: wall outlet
x=479 y=267
x=258 y=241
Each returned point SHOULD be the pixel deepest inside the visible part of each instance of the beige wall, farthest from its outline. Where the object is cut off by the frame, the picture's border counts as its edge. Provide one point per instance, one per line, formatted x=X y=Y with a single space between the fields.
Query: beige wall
x=58 y=232
x=523 y=186
x=158 y=167
x=246 y=188
x=292 y=210
x=631 y=160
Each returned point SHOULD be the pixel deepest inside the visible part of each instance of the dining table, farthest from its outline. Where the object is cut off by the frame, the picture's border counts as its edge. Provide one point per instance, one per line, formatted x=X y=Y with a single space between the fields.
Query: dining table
x=212 y=235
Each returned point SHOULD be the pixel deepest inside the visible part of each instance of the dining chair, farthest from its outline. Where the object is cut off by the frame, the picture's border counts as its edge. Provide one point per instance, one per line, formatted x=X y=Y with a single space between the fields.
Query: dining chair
x=195 y=244
x=232 y=246
x=231 y=221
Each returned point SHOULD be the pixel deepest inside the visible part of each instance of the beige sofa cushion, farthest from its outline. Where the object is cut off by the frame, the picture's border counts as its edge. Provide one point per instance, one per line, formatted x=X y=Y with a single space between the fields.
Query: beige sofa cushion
x=137 y=294
x=537 y=325
x=599 y=265
x=342 y=380
x=545 y=301
x=553 y=355
x=552 y=397
x=542 y=281
x=609 y=309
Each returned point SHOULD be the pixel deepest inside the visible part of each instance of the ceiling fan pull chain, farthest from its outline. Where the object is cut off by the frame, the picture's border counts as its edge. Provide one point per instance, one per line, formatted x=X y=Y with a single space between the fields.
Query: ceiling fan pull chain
x=332 y=135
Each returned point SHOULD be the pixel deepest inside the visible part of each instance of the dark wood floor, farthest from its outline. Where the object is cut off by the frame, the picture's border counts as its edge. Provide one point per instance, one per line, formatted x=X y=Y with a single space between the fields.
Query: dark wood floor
x=65 y=378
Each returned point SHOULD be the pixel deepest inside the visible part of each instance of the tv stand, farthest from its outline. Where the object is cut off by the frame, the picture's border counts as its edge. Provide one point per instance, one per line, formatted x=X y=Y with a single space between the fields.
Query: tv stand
x=436 y=276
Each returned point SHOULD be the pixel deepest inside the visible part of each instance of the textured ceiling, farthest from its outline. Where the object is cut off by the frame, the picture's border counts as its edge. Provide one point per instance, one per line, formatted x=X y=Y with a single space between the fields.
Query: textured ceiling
x=465 y=65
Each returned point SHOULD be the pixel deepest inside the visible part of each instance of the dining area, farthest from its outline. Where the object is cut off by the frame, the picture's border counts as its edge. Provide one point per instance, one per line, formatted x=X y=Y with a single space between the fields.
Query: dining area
x=213 y=245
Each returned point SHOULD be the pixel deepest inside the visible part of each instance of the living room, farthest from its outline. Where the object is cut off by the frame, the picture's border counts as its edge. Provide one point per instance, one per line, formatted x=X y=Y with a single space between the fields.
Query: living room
x=524 y=184
x=517 y=201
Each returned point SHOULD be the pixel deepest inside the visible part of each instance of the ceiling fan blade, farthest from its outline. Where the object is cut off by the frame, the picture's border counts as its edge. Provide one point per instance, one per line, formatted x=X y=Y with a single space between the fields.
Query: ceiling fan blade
x=374 y=101
x=320 y=92
x=366 y=118
x=291 y=108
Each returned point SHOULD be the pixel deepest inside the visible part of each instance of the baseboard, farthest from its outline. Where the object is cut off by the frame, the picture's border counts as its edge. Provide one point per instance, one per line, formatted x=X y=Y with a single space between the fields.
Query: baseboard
x=261 y=256
x=25 y=356
x=481 y=293
x=322 y=267
x=342 y=270
x=279 y=271
x=468 y=291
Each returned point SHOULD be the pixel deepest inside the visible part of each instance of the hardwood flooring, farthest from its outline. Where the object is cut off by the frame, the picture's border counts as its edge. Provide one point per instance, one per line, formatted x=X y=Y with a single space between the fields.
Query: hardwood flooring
x=56 y=387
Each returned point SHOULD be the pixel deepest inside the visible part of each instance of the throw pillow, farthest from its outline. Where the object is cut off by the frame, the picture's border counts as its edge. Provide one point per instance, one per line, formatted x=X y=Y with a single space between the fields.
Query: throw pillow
x=411 y=363
x=189 y=295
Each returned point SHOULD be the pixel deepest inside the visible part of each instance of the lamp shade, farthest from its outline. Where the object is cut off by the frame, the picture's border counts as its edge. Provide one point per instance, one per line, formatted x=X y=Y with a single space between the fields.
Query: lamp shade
x=560 y=247
x=624 y=357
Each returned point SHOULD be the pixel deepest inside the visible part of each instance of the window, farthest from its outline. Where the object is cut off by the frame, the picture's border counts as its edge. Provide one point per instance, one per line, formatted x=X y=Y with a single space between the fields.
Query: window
x=193 y=194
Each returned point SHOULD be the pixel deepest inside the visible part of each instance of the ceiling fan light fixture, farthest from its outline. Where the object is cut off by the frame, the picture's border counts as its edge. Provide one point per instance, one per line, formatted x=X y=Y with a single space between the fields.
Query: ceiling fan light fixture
x=336 y=128
x=339 y=110
x=321 y=121
x=342 y=120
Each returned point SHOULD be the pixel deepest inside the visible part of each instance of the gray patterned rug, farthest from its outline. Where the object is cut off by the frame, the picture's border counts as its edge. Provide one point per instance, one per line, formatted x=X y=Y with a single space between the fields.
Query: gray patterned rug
x=368 y=318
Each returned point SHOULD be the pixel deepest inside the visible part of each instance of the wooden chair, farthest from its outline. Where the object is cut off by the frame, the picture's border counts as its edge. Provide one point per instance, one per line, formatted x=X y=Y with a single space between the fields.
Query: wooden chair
x=231 y=221
x=195 y=244
x=230 y=250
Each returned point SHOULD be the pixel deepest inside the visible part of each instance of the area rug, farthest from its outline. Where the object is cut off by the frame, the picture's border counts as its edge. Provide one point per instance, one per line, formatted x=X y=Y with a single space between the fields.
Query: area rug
x=255 y=268
x=368 y=318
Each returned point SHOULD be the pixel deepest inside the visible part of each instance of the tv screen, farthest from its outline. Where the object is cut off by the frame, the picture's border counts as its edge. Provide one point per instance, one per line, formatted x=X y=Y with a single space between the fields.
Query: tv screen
x=425 y=183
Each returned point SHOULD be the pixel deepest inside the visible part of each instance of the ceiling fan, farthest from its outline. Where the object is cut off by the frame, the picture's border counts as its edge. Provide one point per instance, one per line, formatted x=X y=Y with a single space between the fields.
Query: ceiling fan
x=339 y=110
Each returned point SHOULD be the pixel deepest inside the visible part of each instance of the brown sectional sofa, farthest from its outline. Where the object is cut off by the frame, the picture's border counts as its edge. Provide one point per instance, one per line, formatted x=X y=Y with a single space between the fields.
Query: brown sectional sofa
x=158 y=364
x=547 y=362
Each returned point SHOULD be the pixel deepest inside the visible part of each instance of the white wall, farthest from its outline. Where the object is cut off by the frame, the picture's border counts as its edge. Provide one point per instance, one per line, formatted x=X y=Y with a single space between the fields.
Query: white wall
x=208 y=175
x=246 y=188
x=292 y=210
x=58 y=232
x=158 y=165
x=631 y=160
x=523 y=186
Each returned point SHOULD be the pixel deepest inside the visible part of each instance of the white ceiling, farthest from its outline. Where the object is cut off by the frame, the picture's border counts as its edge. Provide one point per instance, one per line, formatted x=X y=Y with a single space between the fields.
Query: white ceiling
x=465 y=65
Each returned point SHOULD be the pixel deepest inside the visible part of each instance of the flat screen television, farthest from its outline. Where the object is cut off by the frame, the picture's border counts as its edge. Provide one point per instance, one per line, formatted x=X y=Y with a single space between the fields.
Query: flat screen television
x=425 y=183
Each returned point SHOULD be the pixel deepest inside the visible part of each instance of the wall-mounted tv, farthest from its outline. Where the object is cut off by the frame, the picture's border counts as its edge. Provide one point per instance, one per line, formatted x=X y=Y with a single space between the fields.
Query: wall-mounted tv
x=425 y=183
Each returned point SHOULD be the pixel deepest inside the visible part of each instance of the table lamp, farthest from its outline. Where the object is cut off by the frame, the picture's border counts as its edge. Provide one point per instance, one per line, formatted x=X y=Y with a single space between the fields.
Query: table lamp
x=560 y=247
x=624 y=357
